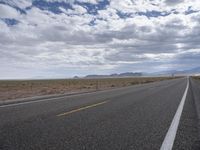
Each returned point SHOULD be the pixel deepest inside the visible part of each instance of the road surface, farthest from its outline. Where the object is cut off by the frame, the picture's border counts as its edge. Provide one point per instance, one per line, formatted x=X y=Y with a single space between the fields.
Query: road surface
x=143 y=117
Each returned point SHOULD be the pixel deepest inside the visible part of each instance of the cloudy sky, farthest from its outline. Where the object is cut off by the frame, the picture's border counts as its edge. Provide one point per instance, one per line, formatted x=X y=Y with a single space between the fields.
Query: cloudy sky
x=63 y=38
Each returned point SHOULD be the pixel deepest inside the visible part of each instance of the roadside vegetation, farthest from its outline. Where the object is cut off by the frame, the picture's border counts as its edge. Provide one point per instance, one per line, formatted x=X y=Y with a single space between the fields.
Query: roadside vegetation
x=13 y=89
x=196 y=77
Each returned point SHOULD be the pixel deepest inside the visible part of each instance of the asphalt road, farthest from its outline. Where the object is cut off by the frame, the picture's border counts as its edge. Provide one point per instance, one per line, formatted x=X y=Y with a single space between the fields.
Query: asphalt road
x=131 y=118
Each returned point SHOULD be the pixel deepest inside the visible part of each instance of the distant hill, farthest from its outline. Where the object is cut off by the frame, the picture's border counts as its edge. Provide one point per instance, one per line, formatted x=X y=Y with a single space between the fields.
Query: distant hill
x=125 y=74
x=192 y=71
x=130 y=74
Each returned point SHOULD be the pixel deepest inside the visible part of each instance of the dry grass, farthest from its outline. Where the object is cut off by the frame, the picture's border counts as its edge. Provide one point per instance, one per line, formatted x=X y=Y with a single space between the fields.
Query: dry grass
x=196 y=77
x=13 y=89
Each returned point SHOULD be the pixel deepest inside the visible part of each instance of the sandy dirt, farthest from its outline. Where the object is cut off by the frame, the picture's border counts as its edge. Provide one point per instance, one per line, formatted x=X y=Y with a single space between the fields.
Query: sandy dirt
x=14 y=89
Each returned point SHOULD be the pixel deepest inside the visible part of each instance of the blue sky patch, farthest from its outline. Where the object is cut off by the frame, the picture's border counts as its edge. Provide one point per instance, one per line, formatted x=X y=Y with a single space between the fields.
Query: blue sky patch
x=190 y=11
x=51 y=6
x=93 y=8
x=124 y=15
x=153 y=13
x=10 y=22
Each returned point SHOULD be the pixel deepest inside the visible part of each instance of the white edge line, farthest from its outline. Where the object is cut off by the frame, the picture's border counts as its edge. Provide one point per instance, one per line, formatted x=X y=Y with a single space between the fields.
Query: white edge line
x=171 y=134
x=29 y=102
x=44 y=99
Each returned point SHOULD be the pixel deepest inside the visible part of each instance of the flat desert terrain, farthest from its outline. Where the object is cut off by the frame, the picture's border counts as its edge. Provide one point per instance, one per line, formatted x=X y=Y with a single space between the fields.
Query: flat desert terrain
x=14 y=89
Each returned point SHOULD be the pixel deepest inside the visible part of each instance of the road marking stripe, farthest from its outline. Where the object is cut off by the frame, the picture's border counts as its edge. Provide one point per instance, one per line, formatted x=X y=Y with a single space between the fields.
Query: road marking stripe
x=171 y=134
x=82 y=108
x=41 y=100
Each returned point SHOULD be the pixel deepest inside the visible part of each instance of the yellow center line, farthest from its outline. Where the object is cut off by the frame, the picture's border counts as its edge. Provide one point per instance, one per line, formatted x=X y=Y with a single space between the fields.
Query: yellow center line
x=80 y=109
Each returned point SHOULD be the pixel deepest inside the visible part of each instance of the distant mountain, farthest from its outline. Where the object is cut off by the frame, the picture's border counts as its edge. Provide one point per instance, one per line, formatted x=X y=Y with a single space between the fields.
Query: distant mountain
x=129 y=74
x=192 y=71
x=97 y=76
x=125 y=74
x=167 y=72
x=76 y=77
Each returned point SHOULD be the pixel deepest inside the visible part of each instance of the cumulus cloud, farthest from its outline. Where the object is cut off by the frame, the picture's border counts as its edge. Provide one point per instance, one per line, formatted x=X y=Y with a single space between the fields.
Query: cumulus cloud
x=8 y=12
x=173 y=2
x=72 y=1
x=18 y=3
x=122 y=36
x=89 y=1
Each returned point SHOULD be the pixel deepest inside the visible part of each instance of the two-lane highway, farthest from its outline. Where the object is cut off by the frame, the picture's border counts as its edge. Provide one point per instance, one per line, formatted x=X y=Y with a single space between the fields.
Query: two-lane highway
x=136 y=117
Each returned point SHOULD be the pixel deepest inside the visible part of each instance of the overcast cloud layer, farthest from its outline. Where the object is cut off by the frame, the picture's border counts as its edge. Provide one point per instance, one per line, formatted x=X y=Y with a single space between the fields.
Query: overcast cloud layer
x=63 y=38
